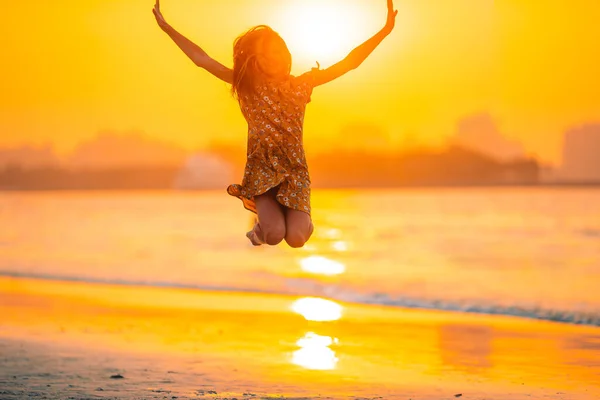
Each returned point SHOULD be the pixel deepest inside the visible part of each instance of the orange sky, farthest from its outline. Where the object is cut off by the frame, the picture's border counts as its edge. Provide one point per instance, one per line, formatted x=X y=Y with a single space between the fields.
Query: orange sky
x=73 y=68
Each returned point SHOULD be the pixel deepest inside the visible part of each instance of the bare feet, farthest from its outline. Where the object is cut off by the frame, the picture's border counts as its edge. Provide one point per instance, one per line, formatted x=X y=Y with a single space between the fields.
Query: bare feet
x=255 y=235
x=253 y=239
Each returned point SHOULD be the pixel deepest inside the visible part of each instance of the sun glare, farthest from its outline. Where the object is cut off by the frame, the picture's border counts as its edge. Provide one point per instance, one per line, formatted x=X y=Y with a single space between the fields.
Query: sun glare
x=325 y=31
x=322 y=265
x=316 y=309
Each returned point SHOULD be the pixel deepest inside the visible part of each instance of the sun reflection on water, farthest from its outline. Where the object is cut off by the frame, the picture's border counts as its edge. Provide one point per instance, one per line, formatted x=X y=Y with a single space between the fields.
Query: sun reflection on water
x=316 y=309
x=315 y=352
x=322 y=265
x=340 y=245
x=332 y=233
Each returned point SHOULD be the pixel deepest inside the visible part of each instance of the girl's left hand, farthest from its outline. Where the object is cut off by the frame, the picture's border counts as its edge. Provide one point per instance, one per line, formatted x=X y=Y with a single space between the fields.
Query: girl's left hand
x=159 y=17
x=391 y=17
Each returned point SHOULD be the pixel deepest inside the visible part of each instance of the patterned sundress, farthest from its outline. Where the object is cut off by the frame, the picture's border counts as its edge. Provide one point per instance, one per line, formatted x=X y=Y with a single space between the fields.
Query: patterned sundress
x=275 y=152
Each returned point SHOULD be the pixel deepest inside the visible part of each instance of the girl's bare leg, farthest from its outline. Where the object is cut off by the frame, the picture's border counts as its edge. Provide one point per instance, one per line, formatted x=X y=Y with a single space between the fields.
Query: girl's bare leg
x=298 y=228
x=270 y=227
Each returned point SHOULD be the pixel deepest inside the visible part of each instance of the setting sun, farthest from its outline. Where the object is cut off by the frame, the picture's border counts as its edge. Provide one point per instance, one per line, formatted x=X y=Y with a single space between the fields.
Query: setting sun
x=325 y=31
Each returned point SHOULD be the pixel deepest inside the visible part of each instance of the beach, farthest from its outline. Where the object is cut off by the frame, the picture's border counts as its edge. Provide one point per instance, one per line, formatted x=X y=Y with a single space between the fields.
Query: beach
x=446 y=153
x=400 y=294
x=72 y=340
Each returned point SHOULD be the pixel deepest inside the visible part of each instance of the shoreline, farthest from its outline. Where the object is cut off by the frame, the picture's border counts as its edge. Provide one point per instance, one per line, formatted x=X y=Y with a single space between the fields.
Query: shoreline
x=236 y=343
x=557 y=316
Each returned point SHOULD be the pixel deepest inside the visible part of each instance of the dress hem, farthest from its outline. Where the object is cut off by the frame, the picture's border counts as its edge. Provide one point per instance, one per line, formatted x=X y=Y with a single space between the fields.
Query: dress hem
x=246 y=200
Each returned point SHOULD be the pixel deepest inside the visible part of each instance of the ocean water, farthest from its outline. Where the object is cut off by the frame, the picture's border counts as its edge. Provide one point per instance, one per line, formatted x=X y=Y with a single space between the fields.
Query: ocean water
x=531 y=252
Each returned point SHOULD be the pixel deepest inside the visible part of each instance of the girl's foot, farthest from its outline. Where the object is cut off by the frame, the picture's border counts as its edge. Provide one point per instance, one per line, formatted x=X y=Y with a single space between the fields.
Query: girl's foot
x=254 y=237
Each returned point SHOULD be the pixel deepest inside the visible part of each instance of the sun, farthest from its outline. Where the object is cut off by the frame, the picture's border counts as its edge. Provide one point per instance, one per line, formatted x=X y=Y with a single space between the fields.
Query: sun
x=325 y=30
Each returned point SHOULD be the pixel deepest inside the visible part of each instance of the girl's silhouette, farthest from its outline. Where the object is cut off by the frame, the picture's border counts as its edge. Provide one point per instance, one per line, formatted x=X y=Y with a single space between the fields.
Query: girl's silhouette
x=276 y=184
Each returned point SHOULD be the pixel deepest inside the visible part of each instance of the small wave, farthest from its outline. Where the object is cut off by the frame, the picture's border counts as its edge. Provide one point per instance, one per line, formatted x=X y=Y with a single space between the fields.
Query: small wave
x=571 y=317
x=307 y=287
x=133 y=282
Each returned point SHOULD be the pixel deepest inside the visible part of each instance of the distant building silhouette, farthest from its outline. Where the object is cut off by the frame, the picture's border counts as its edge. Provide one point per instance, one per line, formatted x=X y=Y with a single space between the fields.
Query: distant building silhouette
x=453 y=166
x=109 y=161
x=28 y=157
x=131 y=178
x=479 y=133
x=581 y=154
x=133 y=161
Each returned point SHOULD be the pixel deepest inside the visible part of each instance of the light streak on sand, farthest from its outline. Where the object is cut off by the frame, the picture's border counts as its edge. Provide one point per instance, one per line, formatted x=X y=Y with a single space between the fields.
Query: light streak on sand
x=315 y=352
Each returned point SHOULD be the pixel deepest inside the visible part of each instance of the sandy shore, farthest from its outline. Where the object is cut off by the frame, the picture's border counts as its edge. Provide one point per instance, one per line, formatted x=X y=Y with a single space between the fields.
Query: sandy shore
x=62 y=340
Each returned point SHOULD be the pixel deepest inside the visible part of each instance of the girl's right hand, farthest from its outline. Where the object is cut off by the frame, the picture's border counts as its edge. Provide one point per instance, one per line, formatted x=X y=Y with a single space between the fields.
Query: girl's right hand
x=391 y=17
x=159 y=17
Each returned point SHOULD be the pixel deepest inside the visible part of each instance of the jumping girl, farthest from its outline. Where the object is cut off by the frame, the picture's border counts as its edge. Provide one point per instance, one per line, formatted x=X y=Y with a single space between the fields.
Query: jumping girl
x=276 y=184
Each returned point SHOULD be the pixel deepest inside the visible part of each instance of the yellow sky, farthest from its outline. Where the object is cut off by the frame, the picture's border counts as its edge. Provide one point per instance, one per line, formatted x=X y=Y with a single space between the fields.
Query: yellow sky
x=73 y=68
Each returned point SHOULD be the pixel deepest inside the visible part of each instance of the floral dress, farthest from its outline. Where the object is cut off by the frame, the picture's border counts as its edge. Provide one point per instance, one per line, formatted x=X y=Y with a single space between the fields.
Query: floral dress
x=275 y=153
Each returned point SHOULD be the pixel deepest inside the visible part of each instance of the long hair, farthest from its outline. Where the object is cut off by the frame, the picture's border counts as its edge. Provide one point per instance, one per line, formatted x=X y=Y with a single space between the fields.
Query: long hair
x=248 y=55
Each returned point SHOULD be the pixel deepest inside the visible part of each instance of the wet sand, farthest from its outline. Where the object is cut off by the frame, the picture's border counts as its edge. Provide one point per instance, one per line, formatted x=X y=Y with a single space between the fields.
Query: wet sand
x=63 y=340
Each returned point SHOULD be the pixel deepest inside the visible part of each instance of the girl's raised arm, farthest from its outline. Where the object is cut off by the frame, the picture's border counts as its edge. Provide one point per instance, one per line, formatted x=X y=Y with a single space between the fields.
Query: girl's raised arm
x=193 y=51
x=359 y=54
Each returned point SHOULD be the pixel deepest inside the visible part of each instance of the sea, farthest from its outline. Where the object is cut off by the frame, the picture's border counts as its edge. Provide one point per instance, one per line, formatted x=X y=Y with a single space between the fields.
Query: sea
x=532 y=252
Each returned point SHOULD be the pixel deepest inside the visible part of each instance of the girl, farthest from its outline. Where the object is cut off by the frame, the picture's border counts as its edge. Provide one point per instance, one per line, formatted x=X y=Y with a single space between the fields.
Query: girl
x=276 y=184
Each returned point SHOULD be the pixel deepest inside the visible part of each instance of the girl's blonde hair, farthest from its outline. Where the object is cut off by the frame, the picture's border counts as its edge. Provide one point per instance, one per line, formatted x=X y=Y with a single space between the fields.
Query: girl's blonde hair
x=247 y=71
